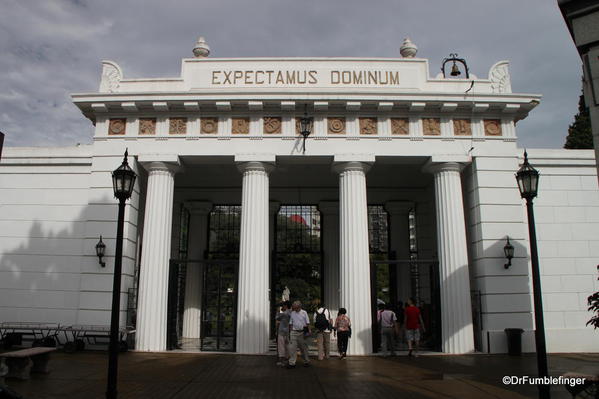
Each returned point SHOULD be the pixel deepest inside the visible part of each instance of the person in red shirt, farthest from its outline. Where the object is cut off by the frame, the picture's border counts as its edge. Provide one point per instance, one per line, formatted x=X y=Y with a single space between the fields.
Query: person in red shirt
x=413 y=323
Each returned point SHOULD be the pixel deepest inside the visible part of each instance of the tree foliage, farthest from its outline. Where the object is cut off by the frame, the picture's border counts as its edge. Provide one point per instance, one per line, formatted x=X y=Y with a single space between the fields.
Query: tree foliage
x=593 y=302
x=580 y=135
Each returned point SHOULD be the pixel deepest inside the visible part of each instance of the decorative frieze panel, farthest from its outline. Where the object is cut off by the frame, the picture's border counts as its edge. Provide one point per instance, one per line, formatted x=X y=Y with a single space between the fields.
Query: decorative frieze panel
x=272 y=125
x=147 y=126
x=431 y=126
x=492 y=127
x=336 y=125
x=462 y=127
x=298 y=125
x=117 y=127
x=368 y=126
x=177 y=126
x=240 y=125
x=209 y=125
x=400 y=126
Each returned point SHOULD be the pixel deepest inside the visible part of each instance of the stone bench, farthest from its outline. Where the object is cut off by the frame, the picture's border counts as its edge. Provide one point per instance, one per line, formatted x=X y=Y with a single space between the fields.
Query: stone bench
x=22 y=362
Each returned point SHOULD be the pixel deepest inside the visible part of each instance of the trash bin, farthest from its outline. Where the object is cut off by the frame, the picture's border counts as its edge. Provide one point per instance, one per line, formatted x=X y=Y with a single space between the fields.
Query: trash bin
x=514 y=341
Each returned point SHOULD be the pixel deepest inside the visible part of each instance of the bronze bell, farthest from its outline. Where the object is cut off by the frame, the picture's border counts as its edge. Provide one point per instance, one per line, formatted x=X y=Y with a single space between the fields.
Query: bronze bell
x=455 y=70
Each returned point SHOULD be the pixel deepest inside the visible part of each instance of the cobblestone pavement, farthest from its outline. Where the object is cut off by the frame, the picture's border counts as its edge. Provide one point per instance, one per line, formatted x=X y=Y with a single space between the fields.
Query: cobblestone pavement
x=185 y=375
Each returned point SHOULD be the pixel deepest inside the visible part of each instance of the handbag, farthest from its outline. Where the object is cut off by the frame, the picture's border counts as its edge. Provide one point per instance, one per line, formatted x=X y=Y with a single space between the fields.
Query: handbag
x=349 y=332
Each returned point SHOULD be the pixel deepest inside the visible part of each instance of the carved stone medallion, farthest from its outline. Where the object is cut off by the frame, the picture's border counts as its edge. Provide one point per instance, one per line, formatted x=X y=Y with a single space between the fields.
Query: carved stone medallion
x=147 y=126
x=117 y=126
x=209 y=126
x=431 y=126
x=336 y=125
x=400 y=126
x=461 y=127
x=368 y=126
x=240 y=125
x=272 y=125
x=492 y=127
x=177 y=126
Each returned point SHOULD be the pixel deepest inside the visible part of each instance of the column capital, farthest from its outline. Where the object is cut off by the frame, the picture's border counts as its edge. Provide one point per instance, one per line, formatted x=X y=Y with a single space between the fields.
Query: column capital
x=349 y=166
x=442 y=163
x=255 y=166
x=399 y=207
x=329 y=207
x=154 y=162
x=198 y=207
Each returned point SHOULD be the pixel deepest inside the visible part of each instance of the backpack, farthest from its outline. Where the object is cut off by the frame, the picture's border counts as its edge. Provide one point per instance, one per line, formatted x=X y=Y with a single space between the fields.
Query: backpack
x=321 y=322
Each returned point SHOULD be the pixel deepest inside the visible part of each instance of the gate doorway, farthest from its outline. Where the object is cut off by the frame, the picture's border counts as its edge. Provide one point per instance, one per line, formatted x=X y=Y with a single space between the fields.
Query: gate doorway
x=297 y=258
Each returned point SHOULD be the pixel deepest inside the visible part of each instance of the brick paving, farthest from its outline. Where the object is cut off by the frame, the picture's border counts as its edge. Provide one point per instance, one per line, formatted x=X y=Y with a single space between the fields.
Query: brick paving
x=186 y=375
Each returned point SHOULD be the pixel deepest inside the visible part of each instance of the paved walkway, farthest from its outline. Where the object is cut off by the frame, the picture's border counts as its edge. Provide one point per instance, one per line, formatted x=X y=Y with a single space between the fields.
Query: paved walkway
x=168 y=375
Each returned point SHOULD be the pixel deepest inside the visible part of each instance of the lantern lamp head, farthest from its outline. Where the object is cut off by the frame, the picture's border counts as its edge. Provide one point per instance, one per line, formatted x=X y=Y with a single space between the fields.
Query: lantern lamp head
x=100 y=249
x=123 y=180
x=528 y=180
x=306 y=126
x=508 y=251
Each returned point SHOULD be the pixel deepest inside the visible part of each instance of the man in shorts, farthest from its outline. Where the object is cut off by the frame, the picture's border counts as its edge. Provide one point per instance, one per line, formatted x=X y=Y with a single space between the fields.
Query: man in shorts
x=413 y=323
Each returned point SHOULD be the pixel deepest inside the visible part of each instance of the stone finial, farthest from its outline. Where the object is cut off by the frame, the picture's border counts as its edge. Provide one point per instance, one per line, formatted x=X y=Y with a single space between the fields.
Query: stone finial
x=111 y=77
x=408 y=49
x=201 y=49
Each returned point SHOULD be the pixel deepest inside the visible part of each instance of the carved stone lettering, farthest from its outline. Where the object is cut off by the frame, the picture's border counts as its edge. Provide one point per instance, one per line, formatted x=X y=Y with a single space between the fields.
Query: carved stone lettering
x=147 y=126
x=336 y=125
x=240 y=126
x=368 y=126
x=431 y=126
x=492 y=127
x=400 y=126
x=117 y=126
x=272 y=125
x=461 y=127
x=209 y=126
x=177 y=126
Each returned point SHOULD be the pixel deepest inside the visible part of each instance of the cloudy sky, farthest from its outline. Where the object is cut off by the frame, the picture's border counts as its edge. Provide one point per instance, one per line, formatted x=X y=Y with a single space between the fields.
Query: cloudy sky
x=52 y=48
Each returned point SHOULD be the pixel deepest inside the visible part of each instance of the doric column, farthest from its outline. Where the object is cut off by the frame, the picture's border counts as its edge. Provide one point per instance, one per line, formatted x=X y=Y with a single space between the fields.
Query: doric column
x=354 y=270
x=197 y=240
x=153 y=278
x=456 y=307
x=400 y=243
x=330 y=243
x=253 y=300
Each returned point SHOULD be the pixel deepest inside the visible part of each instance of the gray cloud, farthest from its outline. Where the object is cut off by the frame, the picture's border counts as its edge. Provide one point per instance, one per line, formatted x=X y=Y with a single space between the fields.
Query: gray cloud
x=50 y=49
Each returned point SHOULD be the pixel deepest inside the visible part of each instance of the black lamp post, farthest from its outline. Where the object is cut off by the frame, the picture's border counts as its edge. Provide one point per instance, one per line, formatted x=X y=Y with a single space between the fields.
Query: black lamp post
x=508 y=250
x=305 y=127
x=528 y=181
x=123 y=180
x=100 y=249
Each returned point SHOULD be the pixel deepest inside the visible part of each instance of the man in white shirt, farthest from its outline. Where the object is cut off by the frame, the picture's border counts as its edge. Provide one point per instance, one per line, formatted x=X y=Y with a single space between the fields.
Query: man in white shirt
x=388 y=322
x=323 y=324
x=298 y=324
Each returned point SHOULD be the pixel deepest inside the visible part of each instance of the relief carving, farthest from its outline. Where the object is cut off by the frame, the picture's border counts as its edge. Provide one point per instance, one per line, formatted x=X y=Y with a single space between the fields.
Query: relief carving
x=431 y=126
x=492 y=127
x=147 y=126
x=400 y=126
x=117 y=126
x=461 y=127
x=336 y=125
x=368 y=126
x=177 y=126
x=499 y=75
x=272 y=125
x=240 y=125
x=298 y=125
x=209 y=126
x=111 y=77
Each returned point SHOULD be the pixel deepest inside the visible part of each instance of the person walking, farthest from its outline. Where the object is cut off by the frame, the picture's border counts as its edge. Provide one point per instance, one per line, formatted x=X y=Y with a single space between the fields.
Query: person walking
x=387 y=321
x=343 y=332
x=413 y=322
x=298 y=325
x=282 y=321
x=323 y=324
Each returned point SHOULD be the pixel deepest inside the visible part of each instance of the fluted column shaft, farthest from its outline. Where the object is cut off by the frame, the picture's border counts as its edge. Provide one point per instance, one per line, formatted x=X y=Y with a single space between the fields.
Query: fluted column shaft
x=330 y=243
x=153 y=279
x=456 y=307
x=198 y=230
x=252 y=300
x=354 y=259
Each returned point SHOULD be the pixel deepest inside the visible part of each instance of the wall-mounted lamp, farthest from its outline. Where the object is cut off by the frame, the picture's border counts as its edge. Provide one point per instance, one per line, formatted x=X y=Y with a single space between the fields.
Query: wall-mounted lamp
x=508 y=250
x=305 y=127
x=455 y=71
x=100 y=248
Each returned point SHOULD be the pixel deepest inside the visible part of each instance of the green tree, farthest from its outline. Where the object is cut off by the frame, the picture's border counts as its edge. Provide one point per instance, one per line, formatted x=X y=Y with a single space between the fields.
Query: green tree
x=593 y=302
x=580 y=135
